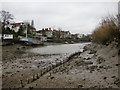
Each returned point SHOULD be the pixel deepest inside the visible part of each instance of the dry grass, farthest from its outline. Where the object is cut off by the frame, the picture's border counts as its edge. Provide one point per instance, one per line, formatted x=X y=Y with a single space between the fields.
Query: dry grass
x=107 y=31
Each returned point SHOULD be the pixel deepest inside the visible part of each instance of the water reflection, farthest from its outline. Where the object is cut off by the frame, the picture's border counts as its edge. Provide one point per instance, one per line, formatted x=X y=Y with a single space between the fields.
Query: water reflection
x=59 y=49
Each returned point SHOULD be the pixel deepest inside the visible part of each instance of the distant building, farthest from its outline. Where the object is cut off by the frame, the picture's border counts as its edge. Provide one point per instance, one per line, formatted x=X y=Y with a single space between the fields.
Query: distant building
x=44 y=39
x=0 y=36
x=55 y=33
x=7 y=36
x=39 y=33
x=15 y=26
x=80 y=35
x=49 y=33
x=0 y=27
x=32 y=23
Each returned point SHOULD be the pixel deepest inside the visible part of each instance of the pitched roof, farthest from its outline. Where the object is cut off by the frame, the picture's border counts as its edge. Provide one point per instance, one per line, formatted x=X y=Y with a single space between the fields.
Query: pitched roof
x=17 y=24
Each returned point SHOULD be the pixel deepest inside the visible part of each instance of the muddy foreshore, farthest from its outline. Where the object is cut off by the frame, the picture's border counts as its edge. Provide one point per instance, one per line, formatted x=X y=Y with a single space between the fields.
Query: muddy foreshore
x=14 y=51
x=96 y=67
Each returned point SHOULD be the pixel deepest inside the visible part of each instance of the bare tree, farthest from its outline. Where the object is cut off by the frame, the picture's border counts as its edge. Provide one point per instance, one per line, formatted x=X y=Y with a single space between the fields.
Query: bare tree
x=6 y=17
x=59 y=32
x=59 y=28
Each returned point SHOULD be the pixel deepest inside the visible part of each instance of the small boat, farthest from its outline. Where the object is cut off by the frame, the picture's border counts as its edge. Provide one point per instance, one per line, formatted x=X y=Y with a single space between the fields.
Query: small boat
x=72 y=42
x=66 y=42
x=31 y=41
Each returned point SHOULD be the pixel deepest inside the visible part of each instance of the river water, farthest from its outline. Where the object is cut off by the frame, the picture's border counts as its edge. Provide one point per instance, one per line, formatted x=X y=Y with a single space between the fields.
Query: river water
x=52 y=55
x=27 y=66
x=59 y=49
x=58 y=53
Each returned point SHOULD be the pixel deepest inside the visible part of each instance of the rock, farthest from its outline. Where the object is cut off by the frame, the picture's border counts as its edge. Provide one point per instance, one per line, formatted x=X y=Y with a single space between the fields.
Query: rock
x=88 y=58
x=87 y=68
x=100 y=60
x=85 y=48
x=98 y=69
x=113 y=76
x=105 y=78
x=117 y=64
x=8 y=72
x=30 y=88
x=93 y=67
x=119 y=52
x=100 y=66
x=88 y=62
x=117 y=82
x=113 y=55
x=80 y=86
x=91 y=71
x=92 y=87
x=92 y=52
x=52 y=77
x=18 y=71
x=18 y=48
x=110 y=87
x=23 y=47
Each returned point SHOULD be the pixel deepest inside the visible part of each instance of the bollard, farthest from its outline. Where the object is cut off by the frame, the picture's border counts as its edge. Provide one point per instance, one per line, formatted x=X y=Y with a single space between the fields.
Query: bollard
x=27 y=81
x=50 y=73
x=41 y=73
x=53 y=71
x=33 y=78
x=38 y=76
x=50 y=67
x=21 y=82
x=56 y=70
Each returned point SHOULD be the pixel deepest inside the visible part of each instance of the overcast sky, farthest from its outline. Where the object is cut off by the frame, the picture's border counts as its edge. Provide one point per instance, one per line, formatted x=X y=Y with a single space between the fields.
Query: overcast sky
x=77 y=17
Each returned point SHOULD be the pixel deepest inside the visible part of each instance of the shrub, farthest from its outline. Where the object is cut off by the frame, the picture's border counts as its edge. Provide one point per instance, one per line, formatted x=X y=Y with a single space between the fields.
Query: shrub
x=107 y=31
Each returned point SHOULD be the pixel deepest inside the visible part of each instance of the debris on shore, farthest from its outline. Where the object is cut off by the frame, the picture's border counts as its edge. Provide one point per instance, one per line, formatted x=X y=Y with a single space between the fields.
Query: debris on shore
x=95 y=67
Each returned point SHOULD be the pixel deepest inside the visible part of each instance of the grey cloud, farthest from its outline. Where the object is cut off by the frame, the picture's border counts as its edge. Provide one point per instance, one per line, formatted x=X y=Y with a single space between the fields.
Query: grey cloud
x=78 y=17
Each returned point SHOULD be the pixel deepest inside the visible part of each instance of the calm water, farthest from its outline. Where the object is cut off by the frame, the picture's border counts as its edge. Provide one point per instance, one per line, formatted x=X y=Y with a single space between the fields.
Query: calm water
x=59 y=49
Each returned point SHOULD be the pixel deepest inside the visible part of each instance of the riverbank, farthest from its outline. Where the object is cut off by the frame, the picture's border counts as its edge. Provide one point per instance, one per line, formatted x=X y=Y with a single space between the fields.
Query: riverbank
x=24 y=68
x=96 y=67
x=14 y=51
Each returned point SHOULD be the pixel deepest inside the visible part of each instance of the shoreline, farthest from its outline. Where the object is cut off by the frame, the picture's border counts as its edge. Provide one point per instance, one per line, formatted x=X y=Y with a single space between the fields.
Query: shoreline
x=98 y=70
x=77 y=64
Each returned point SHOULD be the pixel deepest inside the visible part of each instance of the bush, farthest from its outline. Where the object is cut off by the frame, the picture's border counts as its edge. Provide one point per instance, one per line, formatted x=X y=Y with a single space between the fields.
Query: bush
x=107 y=31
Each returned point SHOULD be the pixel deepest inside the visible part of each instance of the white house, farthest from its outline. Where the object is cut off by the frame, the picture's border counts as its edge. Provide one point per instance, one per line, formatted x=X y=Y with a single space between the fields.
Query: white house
x=16 y=26
x=80 y=35
x=43 y=38
x=0 y=30
x=49 y=33
x=0 y=36
x=7 y=36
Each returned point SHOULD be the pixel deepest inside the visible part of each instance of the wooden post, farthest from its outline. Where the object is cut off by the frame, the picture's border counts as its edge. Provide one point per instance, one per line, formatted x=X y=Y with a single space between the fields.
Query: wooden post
x=21 y=82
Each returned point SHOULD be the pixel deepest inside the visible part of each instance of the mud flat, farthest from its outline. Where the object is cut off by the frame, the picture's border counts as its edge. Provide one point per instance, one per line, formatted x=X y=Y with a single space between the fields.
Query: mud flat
x=95 y=67
x=21 y=68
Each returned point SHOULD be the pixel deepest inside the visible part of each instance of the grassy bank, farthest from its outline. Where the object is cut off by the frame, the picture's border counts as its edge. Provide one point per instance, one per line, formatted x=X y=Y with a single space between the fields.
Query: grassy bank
x=107 y=31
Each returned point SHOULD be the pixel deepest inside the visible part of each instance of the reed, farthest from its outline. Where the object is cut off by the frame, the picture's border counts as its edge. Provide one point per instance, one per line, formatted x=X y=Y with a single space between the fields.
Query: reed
x=107 y=31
